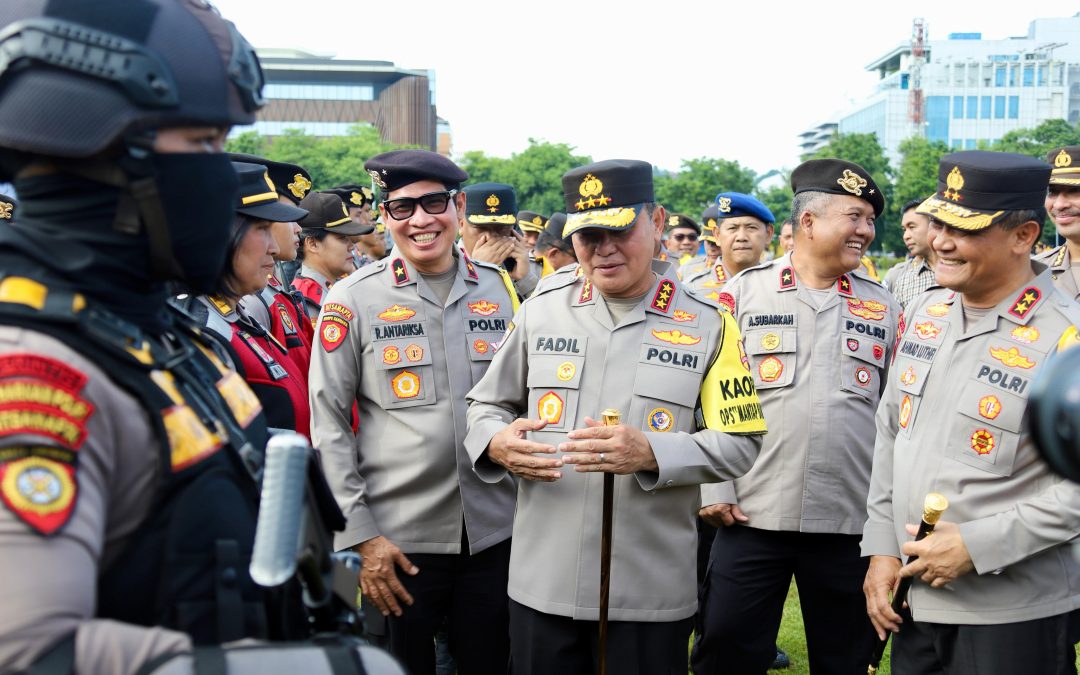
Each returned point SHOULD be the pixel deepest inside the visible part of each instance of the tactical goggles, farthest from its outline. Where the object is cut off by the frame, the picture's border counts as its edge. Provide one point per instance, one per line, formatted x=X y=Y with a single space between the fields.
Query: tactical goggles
x=433 y=203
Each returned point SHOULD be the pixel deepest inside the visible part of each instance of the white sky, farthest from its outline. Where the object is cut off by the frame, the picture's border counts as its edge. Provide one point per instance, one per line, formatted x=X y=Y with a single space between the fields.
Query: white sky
x=663 y=81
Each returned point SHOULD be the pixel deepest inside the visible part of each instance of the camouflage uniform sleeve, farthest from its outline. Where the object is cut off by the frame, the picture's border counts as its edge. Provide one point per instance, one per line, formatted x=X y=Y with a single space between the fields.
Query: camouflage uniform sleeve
x=79 y=464
x=333 y=382
x=499 y=398
x=733 y=425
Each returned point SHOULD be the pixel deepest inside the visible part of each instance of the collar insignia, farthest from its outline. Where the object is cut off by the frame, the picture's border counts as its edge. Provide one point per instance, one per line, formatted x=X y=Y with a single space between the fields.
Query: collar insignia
x=401 y=274
x=662 y=299
x=787 y=278
x=1025 y=302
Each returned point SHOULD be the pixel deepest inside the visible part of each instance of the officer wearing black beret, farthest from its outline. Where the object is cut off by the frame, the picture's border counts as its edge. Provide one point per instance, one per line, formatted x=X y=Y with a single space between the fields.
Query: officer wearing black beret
x=683 y=235
x=489 y=233
x=818 y=337
x=404 y=339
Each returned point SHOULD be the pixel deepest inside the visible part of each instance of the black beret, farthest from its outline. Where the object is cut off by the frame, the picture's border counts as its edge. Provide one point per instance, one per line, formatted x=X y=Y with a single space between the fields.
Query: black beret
x=1066 y=163
x=607 y=194
x=398 y=168
x=8 y=206
x=977 y=188
x=679 y=220
x=838 y=177
x=531 y=221
x=290 y=180
x=328 y=212
x=354 y=196
x=490 y=204
x=258 y=197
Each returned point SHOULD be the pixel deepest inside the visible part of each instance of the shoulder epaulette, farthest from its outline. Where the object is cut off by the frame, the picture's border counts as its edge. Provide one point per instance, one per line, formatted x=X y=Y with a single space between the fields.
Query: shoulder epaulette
x=861 y=273
x=369 y=270
x=488 y=265
x=28 y=296
x=554 y=281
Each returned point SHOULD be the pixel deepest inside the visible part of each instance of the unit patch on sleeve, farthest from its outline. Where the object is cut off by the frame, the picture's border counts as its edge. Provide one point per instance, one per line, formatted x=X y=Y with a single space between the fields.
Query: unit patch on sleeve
x=40 y=396
x=38 y=484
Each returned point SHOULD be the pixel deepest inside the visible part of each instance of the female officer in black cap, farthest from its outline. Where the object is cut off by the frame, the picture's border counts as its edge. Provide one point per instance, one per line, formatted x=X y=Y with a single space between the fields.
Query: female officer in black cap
x=260 y=358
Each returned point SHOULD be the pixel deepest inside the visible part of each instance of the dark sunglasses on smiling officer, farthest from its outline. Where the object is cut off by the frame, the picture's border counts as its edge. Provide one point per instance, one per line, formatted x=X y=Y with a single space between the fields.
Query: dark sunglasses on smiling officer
x=433 y=203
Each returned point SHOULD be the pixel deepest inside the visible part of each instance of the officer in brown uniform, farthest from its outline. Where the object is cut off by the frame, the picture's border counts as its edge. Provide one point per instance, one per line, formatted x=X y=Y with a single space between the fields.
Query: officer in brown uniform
x=1063 y=205
x=997 y=586
x=406 y=338
x=818 y=334
x=127 y=444
x=624 y=336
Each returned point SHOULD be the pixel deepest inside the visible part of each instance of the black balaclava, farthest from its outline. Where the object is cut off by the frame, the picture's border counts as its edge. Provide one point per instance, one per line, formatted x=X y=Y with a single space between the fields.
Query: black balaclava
x=67 y=235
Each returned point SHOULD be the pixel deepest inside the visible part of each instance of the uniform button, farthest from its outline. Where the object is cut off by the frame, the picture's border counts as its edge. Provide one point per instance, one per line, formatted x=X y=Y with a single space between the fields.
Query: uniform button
x=670 y=482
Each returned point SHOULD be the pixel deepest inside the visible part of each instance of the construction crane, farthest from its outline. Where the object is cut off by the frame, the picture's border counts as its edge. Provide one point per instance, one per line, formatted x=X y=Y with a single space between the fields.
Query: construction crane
x=916 y=104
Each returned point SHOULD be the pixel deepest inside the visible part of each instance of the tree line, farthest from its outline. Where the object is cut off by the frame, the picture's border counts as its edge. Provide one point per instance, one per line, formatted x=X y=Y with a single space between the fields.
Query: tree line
x=535 y=172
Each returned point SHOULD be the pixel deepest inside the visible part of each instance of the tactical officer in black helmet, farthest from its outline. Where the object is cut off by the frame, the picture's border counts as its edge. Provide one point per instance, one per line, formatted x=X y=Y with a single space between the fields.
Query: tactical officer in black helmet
x=128 y=446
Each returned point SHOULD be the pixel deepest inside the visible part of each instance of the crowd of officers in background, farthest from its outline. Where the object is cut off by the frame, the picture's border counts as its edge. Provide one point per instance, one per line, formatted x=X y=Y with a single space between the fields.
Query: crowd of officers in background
x=475 y=377
x=368 y=318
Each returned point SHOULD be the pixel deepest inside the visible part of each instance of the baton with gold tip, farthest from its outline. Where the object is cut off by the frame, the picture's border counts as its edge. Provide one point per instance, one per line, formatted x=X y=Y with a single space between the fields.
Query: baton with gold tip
x=933 y=506
x=611 y=418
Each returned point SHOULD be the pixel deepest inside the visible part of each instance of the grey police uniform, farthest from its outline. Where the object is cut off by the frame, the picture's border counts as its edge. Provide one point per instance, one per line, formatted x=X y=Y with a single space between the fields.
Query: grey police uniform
x=819 y=361
x=314 y=286
x=820 y=373
x=386 y=341
x=707 y=281
x=563 y=360
x=952 y=420
x=1061 y=270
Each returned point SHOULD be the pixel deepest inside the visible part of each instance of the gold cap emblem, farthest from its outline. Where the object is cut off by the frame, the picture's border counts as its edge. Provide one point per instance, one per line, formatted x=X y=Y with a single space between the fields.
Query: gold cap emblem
x=954 y=181
x=724 y=205
x=493 y=203
x=356 y=199
x=537 y=220
x=1063 y=159
x=376 y=178
x=300 y=186
x=591 y=189
x=712 y=224
x=852 y=182
x=673 y=221
x=5 y=210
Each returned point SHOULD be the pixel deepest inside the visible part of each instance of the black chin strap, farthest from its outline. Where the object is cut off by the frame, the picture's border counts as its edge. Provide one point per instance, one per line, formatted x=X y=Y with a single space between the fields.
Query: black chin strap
x=140 y=205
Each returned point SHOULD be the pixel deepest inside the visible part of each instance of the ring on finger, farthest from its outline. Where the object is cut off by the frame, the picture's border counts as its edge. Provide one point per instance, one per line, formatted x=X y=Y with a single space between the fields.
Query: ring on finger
x=601 y=458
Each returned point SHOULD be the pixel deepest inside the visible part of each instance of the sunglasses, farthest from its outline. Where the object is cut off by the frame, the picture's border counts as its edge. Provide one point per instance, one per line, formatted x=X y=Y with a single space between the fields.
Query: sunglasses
x=684 y=237
x=433 y=203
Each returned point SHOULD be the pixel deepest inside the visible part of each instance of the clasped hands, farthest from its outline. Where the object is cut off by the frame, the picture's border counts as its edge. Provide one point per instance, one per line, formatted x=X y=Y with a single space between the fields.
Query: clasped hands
x=617 y=449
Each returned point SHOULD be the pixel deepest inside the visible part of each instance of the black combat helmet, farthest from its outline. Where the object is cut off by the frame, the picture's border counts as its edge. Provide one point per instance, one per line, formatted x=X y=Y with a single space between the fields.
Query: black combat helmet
x=75 y=76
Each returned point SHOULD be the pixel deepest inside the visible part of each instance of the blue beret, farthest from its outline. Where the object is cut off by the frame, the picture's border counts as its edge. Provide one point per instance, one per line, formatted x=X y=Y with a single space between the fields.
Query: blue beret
x=734 y=204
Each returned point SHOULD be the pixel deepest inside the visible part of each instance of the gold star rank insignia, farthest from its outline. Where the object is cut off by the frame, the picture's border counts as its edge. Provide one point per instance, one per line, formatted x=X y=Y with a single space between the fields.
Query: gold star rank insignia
x=787 y=278
x=1027 y=299
x=662 y=299
x=401 y=275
